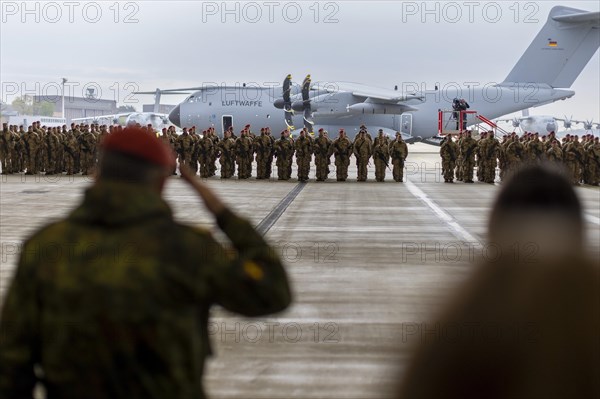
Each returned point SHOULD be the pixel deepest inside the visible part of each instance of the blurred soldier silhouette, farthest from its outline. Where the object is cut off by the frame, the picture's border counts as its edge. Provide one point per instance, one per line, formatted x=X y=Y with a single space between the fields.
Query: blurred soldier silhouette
x=113 y=301
x=526 y=324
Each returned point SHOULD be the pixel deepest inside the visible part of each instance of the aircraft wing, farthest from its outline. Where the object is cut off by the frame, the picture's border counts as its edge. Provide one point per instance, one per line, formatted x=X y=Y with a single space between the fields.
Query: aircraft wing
x=105 y=119
x=375 y=94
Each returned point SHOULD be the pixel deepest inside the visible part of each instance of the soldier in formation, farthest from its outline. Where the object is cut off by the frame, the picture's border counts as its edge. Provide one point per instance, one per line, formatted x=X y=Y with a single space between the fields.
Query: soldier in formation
x=342 y=149
x=56 y=150
x=579 y=157
x=398 y=152
x=381 y=155
x=304 y=149
x=226 y=154
x=321 y=149
x=449 y=154
x=362 y=151
x=284 y=151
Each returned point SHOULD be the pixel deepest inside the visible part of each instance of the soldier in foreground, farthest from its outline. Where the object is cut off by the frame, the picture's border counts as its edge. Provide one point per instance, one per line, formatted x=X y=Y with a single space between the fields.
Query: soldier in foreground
x=525 y=324
x=120 y=309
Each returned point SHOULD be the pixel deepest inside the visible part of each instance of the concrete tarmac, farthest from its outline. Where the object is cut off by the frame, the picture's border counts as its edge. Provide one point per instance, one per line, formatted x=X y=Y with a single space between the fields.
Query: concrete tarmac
x=370 y=263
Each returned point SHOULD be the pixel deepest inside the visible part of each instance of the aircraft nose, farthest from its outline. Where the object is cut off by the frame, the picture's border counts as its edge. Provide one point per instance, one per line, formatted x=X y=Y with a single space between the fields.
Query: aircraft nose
x=175 y=116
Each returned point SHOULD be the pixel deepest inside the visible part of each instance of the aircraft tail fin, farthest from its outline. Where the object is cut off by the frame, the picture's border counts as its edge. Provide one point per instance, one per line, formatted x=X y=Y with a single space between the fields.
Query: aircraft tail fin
x=561 y=49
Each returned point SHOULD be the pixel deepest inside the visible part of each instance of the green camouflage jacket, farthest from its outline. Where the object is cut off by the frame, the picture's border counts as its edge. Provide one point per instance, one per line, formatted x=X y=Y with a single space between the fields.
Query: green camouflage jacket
x=113 y=301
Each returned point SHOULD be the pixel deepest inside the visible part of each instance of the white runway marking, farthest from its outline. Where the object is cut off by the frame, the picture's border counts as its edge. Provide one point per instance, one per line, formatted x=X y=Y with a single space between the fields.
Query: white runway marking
x=592 y=219
x=456 y=229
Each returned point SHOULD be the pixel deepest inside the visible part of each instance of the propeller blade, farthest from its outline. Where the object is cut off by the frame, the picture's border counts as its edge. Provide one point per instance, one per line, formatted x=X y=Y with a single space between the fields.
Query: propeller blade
x=287 y=102
x=308 y=122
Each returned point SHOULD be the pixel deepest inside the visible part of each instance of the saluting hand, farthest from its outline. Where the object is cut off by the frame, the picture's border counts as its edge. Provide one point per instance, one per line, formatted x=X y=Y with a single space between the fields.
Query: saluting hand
x=211 y=201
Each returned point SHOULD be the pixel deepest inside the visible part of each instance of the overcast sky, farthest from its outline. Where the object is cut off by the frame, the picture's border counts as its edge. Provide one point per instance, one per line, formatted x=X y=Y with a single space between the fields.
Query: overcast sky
x=124 y=46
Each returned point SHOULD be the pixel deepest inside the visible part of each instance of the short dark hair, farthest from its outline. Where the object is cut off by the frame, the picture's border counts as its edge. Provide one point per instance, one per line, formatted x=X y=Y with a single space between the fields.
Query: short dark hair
x=543 y=190
x=115 y=165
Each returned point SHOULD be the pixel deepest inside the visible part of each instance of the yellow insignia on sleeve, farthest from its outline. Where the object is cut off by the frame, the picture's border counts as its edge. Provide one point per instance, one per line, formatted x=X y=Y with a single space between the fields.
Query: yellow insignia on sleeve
x=253 y=270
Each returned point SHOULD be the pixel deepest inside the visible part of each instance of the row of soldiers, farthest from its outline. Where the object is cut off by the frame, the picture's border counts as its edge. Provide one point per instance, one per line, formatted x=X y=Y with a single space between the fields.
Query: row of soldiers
x=52 y=150
x=581 y=159
x=202 y=151
x=56 y=150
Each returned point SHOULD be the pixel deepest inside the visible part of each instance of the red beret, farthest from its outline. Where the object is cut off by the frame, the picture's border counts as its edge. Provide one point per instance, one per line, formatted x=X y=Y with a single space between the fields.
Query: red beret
x=139 y=143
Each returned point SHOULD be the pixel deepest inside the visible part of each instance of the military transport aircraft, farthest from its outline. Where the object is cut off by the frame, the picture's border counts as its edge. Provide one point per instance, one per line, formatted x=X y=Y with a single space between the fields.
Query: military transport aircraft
x=550 y=65
x=543 y=124
x=157 y=120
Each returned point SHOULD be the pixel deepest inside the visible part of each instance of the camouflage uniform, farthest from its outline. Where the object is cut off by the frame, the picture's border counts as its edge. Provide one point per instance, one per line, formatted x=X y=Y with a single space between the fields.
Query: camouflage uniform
x=263 y=146
x=341 y=148
x=212 y=159
x=467 y=151
x=514 y=154
x=579 y=159
x=398 y=152
x=195 y=151
x=120 y=309
x=381 y=156
x=594 y=162
x=459 y=159
x=87 y=144
x=18 y=151
x=71 y=149
x=492 y=149
x=31 y=141
x=570 y=155
x=206 y=151
x=284 y=150
x=226 y=150
x=554 y=153
x=4 y=151
x=448 y=152
x=269 y=160
x=185 y=148
x=51 y=152
x=244 y=155
x=480 y=154
x=322 y=155
x=502 y=162
x=362 y=152
x=304 y=149
x=535 y=149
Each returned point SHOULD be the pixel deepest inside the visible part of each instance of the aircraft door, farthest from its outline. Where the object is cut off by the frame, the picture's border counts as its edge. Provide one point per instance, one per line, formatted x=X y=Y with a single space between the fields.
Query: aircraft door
x=226 y=122
x=406 y=124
